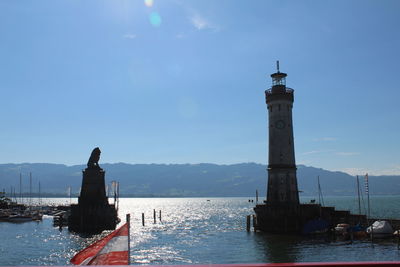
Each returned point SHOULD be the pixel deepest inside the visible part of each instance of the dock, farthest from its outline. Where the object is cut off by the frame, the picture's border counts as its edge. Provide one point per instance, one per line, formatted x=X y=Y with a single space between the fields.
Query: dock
x=293 y=218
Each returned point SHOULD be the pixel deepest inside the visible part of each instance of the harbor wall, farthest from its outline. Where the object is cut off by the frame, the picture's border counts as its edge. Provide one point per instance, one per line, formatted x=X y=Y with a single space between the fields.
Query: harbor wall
x=283 y=218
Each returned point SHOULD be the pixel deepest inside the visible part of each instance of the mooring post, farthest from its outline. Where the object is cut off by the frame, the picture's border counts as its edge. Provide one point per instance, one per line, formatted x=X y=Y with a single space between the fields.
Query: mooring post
x=154 y=216
x=160 y=215
x=254 y=222
x=248 y=223
x=256 y=196
x=143 y=219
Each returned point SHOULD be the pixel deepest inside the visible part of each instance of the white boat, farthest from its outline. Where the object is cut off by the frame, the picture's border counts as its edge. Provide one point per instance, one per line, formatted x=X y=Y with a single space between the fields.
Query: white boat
x=380 y=229
x=341 y=228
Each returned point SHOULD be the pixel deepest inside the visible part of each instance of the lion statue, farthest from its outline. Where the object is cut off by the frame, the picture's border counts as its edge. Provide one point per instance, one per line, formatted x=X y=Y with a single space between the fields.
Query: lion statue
x=93 y=162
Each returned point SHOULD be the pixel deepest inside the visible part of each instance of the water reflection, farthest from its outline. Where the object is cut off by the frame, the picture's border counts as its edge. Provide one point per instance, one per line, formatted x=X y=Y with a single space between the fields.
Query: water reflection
x=278 y=248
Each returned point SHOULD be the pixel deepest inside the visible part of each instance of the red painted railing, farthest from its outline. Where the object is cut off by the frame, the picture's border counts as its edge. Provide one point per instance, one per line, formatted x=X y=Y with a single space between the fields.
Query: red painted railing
x=300 y=264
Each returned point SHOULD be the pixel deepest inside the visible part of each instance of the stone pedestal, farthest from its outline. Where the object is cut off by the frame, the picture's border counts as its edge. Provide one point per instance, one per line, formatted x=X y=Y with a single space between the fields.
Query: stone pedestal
x=93 y=213
x=93 y=189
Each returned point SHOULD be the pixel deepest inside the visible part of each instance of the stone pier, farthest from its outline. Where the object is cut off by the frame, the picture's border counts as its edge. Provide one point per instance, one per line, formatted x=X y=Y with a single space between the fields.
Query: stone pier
x=280 y=219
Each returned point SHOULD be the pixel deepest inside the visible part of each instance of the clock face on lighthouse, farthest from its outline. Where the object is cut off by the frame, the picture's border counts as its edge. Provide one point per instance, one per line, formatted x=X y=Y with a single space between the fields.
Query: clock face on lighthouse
x=280 y=124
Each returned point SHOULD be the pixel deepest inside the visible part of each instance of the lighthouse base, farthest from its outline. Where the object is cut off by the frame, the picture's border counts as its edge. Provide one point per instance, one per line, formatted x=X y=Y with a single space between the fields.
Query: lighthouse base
x=296 y=219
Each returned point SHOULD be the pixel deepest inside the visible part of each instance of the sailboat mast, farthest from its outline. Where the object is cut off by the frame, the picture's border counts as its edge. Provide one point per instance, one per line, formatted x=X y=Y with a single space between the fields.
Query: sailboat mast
x=117 y=195
x=114 y=184
x=69 y=194
x=30 y=188
x=20 y=187
x=367 y=189
x=358 y=192
x=40 y=197
x=319 y=191
x=320 y=197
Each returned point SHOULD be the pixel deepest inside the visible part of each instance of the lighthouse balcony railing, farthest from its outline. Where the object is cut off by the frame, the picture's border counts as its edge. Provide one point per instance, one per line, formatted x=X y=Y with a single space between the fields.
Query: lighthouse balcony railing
x=287 y=90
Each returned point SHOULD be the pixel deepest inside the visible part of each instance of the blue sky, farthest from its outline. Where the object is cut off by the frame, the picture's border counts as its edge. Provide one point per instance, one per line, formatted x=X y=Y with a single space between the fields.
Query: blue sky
x=183 y=81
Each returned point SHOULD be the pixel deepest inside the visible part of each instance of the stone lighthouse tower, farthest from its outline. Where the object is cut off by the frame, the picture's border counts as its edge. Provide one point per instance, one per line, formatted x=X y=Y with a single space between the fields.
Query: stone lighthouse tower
x=282 y=210
x=282 y=181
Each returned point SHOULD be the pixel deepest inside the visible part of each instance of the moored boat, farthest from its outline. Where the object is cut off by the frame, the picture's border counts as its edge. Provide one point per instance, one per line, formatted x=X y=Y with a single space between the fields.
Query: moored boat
x=18 y=218
x=4 y=214
x=318 y=226
x=341 y=228
x=380 y=229
x=357 y=231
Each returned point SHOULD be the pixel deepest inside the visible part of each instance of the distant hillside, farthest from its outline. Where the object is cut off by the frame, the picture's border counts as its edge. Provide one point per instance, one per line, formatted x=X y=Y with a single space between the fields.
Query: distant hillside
x=187 y=179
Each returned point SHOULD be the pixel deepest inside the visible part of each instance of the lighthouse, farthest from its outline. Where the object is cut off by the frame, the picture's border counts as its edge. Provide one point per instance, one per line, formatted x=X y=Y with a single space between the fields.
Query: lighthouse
x=282 y=211
x=282 y=181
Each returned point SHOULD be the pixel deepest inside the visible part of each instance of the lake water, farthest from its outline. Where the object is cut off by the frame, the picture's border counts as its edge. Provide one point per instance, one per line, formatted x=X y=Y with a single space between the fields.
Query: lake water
x=195 y=231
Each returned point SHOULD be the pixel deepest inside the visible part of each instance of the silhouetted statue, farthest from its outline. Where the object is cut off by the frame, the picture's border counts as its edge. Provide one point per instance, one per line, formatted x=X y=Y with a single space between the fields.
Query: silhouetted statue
x=93 y=162
x=93 y=213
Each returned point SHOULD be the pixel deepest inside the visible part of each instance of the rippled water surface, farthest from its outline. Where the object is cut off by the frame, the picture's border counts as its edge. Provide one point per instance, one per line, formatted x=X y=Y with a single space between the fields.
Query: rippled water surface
x=194 y=231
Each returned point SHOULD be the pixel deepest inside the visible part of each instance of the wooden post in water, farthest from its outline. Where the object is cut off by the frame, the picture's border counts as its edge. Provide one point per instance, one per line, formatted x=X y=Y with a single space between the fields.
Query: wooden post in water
x=142 y=219
x=248 y=223
x=160 y=215
x=254 y=222
x=154 y=216
x=256 y=196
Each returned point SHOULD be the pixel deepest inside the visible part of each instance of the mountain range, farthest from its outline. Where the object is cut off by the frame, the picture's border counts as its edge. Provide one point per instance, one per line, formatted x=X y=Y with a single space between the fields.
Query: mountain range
x=186 y=180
